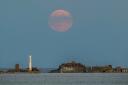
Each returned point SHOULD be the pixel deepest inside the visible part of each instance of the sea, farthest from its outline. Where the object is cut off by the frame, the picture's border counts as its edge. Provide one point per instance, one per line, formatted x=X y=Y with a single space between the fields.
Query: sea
x=64 y=79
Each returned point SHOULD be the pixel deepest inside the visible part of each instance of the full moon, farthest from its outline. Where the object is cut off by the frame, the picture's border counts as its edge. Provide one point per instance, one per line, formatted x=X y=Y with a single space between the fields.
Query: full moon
x=60 y=20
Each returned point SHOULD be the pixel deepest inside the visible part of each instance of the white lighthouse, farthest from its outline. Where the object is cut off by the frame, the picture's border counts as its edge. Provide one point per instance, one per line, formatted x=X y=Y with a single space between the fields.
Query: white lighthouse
x=30 y=64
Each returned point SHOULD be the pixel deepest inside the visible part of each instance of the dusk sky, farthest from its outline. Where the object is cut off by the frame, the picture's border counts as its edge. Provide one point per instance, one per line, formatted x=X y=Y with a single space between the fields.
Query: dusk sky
x=98 y=36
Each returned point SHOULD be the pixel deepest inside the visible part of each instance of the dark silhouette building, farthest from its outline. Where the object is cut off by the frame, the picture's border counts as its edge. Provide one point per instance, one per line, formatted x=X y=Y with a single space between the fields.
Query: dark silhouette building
x=17 y=68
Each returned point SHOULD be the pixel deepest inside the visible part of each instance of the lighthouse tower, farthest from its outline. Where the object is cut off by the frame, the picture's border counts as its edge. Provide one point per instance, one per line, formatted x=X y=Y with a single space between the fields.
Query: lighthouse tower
x=30 y=64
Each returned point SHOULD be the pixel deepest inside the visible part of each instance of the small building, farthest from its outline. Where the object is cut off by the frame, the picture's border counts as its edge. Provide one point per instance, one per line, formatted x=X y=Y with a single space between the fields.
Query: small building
x=34 y=70
x=102 y=69
x=72 y=67
x=119 y=69
x=17 y=68
x=125 y=70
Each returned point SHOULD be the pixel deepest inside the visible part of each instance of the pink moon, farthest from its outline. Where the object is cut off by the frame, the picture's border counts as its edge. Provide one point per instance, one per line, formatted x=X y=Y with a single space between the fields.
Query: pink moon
x=60 y=21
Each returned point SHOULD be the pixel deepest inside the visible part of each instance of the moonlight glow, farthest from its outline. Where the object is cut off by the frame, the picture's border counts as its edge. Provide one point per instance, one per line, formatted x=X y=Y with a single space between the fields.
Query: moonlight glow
x=60 y=20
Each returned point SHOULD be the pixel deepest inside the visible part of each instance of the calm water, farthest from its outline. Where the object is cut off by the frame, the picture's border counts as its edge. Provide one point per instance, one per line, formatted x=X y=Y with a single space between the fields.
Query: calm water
x=64 y=79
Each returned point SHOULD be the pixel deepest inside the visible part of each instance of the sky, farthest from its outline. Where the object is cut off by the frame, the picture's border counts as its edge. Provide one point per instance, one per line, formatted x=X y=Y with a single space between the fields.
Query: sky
x=98 y=36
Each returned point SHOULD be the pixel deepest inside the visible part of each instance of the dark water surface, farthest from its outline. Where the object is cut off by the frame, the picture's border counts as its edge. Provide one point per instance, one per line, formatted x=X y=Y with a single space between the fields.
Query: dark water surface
x=65 y=79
